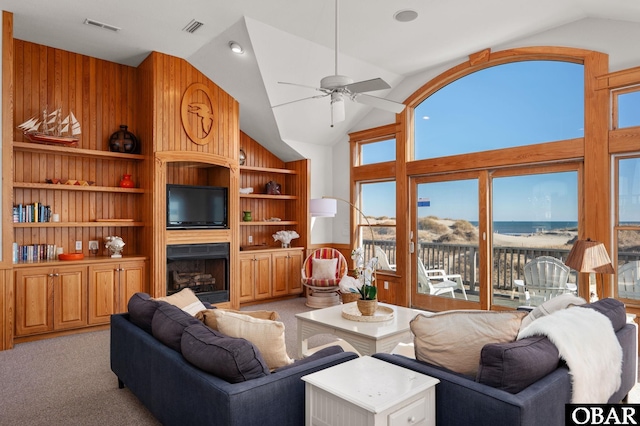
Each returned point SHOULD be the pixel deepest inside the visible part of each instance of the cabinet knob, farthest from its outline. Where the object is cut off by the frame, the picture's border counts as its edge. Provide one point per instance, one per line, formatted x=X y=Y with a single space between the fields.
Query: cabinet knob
x=411 y=420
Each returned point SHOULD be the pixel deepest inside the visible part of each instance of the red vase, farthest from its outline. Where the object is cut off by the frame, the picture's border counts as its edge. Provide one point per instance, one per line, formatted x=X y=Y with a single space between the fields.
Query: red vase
x=126 y=182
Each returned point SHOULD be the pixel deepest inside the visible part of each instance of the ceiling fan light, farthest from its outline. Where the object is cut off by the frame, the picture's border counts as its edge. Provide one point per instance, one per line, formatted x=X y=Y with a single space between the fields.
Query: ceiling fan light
x=236 y=48
x=337 y=108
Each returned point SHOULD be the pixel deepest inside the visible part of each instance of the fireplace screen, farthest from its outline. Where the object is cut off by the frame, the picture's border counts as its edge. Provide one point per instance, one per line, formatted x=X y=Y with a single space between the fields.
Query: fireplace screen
x=204 y=268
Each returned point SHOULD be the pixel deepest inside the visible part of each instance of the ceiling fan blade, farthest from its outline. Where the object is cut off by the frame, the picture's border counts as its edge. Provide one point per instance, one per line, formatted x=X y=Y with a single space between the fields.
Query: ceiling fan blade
x=299 y=100
x=368 y=86
x=380 y=103
x=320 y=89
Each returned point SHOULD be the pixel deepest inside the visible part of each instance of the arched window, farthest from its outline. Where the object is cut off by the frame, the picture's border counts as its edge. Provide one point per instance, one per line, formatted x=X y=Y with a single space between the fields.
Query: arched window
x=507 y=105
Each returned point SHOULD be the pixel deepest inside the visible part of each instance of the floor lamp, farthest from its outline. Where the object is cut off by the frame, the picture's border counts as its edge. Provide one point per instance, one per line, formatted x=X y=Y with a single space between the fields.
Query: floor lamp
x=327 y=207
x=588 y=256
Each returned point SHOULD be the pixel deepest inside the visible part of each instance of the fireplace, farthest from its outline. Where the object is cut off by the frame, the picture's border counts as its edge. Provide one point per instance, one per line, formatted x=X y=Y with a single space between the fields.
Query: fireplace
x=204 y=268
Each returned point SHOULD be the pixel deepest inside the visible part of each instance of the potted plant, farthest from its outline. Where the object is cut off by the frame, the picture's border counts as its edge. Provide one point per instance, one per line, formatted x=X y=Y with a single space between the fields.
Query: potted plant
x=368 y=301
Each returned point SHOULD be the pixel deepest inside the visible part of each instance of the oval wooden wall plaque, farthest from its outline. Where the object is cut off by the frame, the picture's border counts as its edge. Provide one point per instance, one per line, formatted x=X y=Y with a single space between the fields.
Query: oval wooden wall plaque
x=197 y=113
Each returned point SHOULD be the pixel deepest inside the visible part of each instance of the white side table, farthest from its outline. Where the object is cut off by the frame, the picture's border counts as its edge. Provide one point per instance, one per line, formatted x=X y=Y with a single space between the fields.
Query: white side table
x=368 y=391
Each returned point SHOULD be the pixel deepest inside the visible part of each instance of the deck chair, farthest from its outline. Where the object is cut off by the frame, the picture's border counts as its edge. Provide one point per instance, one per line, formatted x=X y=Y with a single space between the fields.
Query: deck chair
x=383 y=260
x=323 y=283
x=433 y=286
x=545 y=277
x=629 y=280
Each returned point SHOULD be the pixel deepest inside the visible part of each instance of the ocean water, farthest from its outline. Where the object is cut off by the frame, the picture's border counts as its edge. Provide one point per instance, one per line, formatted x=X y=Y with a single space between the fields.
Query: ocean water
x=529 y=227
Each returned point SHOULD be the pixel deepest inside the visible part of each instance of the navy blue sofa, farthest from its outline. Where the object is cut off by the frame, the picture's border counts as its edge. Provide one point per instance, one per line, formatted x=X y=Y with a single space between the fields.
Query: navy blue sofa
x=178 y=393
x=460 y=400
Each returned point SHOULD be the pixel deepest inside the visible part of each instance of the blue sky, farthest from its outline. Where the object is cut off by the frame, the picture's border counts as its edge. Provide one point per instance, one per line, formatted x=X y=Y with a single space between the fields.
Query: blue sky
x=509 y=105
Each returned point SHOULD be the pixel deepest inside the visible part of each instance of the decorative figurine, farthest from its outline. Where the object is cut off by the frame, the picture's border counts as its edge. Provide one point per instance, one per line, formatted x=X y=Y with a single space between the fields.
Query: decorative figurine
x=115 y=245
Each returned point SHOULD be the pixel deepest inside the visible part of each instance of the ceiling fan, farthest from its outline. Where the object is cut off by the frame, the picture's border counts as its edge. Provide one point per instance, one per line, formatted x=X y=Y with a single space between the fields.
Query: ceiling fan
x=339 y=87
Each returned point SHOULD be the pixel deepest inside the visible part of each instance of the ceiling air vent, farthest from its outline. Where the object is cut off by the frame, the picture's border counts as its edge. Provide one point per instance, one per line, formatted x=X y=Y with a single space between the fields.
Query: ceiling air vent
x=101 y=25
x=192 y=26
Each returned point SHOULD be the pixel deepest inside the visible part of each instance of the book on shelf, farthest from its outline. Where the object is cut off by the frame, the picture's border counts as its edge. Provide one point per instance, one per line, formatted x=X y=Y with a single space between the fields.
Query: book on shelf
x=33 y=252
x=29 y=213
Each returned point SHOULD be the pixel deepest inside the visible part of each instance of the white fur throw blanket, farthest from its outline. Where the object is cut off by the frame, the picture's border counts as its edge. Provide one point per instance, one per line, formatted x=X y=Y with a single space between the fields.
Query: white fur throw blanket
x=588 y=344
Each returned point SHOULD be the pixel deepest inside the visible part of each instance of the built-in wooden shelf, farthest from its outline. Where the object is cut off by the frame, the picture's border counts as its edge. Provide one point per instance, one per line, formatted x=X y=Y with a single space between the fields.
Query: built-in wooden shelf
x=62 y=187
x=269 y=196
x=71 y=151
x=267 y=170
x=96 y=224
x=269 y=223
x=88 y=260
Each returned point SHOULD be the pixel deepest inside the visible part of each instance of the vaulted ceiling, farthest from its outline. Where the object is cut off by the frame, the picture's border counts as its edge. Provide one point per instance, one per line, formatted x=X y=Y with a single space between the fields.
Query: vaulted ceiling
x=293 y=41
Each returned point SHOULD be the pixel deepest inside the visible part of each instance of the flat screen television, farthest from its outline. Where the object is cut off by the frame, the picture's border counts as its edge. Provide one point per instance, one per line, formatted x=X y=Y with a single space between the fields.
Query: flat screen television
x=197 y=207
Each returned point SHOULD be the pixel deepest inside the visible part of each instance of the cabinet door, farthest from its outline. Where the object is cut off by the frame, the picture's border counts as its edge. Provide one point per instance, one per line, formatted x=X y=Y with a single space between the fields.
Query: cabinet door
x=262 y=276
x=70 y=297
x=132 y=279
x=280 y=278
x=247 y=268
x=103 y=295
x=34 y=301
x=294 y=275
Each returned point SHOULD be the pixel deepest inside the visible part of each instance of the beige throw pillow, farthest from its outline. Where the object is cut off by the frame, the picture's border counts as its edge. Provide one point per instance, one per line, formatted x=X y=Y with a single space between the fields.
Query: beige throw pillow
x=454 y=339
x=266 y=335
x=186 y=300
x=211 y=320
x=324 y=269
x=557 y=303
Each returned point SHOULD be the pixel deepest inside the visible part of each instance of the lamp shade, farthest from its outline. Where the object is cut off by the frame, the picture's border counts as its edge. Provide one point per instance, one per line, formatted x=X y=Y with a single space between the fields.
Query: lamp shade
x=589 y=256
x=323 y=207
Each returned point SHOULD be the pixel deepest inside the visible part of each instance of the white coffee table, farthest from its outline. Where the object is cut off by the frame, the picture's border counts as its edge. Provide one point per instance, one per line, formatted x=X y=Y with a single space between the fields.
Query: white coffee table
x=368 y=391
x=366 y=337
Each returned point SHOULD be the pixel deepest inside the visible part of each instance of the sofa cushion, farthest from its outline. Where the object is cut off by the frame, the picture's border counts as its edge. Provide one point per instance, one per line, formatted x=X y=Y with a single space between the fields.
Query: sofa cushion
x=454 y=339
x=211 y=320
x=268 y=336
x=513 y=366
x=612 y=309
x=231 y=359
x=141 y=308
x=329 y=350
x=186 y=300
x=552 y=305
x=168 y=324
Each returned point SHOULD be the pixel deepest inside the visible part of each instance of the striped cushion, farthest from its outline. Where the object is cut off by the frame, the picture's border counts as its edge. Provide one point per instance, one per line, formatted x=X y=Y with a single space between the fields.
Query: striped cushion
x=321 y=283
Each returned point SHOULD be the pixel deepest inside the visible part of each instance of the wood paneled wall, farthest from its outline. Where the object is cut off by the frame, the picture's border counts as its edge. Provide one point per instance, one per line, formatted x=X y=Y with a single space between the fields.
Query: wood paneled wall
x=102 y=96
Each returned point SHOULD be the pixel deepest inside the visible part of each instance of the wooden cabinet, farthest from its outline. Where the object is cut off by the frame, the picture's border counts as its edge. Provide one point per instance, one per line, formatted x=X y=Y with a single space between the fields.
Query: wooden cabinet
x=50 y=299
x=268 y=274
x=110 y=288
x=81 y=294
x=255 y=276
x=287 y=272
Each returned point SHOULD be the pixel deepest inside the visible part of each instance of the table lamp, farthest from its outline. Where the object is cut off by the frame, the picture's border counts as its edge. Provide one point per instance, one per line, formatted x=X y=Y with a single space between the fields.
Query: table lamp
x=587 y=256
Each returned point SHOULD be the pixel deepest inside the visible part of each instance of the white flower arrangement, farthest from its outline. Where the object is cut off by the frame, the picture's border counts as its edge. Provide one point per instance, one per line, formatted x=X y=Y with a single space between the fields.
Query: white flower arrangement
x=365 y=273
x=285 y=237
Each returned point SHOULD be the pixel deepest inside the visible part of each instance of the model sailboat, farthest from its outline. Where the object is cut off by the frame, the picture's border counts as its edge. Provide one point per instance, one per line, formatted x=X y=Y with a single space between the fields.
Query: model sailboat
x=52 y=128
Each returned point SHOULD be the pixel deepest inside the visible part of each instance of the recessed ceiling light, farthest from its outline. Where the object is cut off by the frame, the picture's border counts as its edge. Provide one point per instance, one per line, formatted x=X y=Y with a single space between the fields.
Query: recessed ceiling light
x=236 y=48
x=405 y=15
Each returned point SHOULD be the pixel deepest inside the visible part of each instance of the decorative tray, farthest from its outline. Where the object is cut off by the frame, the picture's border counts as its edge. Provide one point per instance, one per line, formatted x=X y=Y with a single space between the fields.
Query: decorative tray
x=351 y=312
x=71 y=256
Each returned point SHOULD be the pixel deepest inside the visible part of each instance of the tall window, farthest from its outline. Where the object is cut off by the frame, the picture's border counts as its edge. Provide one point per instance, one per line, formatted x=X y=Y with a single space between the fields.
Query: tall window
x=378 y=227
x=627 y=226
